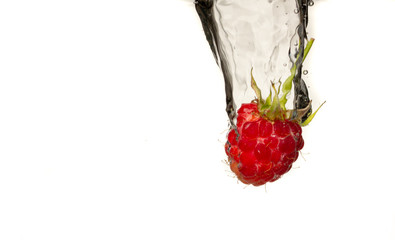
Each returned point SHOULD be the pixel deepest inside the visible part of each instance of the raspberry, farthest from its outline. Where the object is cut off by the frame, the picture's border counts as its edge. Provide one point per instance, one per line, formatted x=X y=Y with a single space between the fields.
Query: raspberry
x=261 y=150
x=267 y=137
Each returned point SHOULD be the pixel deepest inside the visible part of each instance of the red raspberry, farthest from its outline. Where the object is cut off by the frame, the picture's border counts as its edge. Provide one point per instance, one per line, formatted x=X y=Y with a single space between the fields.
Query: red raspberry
x=262 y=150
x=267 y=137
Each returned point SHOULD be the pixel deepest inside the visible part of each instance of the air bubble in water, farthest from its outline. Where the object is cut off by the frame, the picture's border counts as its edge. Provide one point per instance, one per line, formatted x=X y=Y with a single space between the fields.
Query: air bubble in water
x=305 y=72
x=296 y=11
x=311 y=3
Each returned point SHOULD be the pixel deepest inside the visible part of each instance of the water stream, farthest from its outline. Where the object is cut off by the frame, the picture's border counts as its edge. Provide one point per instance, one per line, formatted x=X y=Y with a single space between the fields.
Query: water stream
x=263 y=35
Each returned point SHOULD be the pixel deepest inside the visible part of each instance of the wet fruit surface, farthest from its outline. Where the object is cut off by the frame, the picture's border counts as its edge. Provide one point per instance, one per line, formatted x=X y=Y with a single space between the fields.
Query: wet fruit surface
x=262 y=150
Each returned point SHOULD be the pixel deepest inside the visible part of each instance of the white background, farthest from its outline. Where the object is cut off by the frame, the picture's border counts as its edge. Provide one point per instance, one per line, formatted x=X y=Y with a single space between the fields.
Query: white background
x=112 y=126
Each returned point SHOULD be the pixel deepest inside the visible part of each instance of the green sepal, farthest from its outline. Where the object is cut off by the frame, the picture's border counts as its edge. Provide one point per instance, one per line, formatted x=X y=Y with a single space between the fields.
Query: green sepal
x=258 y=92
x=268 y=102
x=275 y=109
x=287 y=87
x=308 y=120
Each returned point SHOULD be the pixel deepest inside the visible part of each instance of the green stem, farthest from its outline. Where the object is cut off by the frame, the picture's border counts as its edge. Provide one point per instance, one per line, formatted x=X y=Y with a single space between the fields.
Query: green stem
x=308 y=47
x=287 y=86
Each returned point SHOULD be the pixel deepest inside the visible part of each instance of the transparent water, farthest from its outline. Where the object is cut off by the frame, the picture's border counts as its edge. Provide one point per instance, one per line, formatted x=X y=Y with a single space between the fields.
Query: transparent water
x=263 y=35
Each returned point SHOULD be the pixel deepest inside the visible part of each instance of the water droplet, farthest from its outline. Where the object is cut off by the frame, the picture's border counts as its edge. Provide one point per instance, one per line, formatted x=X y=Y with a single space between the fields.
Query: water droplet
x=296 y=11
x=311 y=3
x=296 y=44
x=305 y=72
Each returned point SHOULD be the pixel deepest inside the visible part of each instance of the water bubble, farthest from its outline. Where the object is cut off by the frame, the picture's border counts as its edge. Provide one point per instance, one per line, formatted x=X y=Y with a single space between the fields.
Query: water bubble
x=296 y=44
x=311 y=3
x=305 y=72
x=296 y=11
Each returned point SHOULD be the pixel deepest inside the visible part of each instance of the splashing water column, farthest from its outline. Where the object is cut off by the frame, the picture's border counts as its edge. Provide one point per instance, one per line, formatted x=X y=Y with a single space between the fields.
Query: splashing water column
x=266 y=35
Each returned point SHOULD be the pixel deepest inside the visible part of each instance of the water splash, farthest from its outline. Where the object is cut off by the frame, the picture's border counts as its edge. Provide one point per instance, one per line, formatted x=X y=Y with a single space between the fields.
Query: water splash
x=266 y=35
